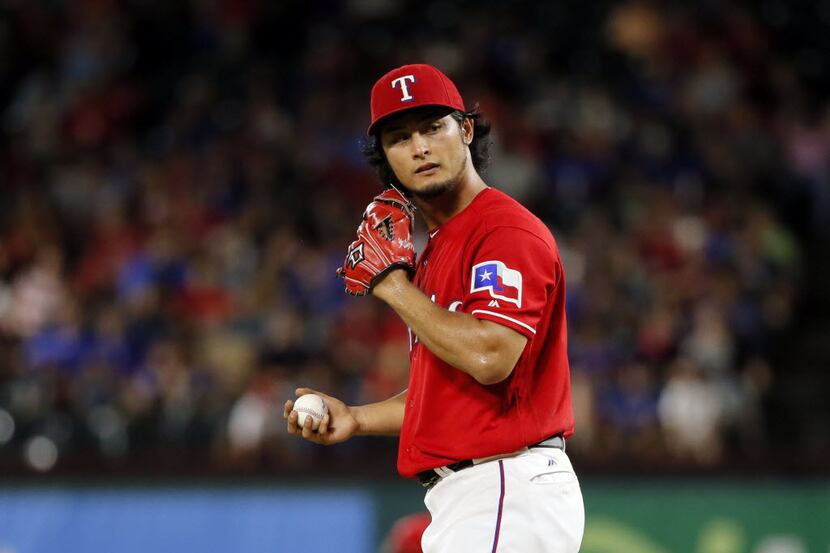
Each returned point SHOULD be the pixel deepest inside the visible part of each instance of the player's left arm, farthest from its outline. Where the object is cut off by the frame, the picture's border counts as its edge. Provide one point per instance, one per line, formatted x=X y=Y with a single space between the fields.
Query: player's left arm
x=485 y=350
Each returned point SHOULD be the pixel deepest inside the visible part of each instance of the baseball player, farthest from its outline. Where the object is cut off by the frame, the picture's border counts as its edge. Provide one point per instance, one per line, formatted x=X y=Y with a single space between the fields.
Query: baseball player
x=484 y=421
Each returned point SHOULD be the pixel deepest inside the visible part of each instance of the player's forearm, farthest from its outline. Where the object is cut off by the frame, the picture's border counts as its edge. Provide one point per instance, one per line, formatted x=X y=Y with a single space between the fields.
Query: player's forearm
x=384 y=418
x=475 y=347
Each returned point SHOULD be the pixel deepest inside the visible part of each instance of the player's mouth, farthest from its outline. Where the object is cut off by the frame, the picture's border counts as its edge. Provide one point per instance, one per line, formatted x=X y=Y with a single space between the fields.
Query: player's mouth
x=427 y=169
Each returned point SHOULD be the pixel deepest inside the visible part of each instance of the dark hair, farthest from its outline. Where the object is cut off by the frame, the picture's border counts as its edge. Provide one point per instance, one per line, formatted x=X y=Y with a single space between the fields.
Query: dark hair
x=479 y=147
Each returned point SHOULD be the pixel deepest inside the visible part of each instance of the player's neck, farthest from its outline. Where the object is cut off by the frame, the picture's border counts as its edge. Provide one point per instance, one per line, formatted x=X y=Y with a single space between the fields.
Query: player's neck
x=437 y=211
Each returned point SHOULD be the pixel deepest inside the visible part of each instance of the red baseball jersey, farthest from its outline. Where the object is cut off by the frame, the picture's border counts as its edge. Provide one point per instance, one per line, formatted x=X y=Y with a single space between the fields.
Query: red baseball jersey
x=496 y=261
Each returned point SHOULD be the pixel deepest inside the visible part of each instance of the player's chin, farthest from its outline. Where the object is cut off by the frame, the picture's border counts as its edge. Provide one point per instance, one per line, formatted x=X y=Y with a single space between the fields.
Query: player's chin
x=431 y=190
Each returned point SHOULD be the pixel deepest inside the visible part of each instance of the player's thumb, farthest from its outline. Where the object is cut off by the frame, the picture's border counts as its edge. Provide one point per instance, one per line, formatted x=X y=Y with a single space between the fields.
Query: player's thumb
x=304 y=391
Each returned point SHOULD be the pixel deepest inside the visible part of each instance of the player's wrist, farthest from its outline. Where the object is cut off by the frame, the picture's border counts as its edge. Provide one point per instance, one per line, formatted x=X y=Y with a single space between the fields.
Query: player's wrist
x=358 y=415
x=390 y=285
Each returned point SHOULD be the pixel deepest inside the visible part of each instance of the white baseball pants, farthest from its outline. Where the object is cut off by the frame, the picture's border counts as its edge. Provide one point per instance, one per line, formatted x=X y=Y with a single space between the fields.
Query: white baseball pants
x=527 y=503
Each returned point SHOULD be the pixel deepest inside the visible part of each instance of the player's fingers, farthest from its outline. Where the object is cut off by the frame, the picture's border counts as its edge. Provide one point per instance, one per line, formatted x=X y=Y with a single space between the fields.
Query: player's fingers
x=292 y=423
x=304 y=391
x=307 y=429
x=324 y=425
x=289 y=405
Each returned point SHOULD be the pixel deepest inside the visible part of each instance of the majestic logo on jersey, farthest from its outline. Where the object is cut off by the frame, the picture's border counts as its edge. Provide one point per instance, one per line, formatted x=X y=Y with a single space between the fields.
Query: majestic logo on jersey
x=502 y=282
x=405 y=96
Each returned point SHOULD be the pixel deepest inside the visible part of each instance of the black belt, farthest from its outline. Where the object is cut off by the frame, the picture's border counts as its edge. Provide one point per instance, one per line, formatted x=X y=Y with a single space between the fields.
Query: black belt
x=430 y=477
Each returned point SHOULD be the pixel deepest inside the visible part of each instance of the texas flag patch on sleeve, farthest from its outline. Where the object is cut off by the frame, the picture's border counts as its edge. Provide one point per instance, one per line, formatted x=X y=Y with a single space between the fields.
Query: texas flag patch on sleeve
x=501 y=281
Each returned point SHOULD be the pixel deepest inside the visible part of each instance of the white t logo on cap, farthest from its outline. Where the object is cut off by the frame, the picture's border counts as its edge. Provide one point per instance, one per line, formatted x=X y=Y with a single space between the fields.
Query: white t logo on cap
x=404 y=88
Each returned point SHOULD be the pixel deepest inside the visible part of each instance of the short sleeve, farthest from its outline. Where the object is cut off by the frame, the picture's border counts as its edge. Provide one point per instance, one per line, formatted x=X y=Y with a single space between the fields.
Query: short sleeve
x=511 y=274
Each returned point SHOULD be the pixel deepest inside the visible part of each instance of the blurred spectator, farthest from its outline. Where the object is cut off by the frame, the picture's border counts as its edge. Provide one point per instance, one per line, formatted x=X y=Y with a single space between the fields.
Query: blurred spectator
x=255 y=421
x=629 y=409
x=691 y=413
x=38 y=294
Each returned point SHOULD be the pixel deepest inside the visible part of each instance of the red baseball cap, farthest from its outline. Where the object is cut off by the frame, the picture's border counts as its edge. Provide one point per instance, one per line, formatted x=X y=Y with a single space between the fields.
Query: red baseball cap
x=412 y=86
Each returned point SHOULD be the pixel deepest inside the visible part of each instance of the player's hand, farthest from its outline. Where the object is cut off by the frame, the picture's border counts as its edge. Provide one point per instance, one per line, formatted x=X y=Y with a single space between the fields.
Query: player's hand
x=384 y=243
x=338 y=425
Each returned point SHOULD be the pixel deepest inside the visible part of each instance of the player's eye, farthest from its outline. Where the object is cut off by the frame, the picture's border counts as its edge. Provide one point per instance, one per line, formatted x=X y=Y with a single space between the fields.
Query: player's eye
x=435 y=126
x=397 y=138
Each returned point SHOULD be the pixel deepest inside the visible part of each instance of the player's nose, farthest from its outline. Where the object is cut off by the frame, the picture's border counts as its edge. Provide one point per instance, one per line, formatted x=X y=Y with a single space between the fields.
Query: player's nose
x=419 y=145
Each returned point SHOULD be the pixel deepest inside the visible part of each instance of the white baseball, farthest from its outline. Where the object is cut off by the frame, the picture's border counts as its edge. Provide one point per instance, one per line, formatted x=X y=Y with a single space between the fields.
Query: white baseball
x=310 y=405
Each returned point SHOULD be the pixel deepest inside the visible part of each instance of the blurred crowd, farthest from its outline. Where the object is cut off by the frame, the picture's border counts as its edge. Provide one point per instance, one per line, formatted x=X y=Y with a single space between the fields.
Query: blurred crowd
x=179 y=182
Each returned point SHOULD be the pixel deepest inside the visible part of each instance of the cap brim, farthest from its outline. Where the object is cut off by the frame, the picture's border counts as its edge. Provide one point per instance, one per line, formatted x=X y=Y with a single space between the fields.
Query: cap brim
x=375 y=127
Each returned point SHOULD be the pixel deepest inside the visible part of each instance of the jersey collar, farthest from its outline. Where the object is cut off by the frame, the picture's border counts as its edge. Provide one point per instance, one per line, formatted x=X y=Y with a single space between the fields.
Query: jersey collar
x=458 y=216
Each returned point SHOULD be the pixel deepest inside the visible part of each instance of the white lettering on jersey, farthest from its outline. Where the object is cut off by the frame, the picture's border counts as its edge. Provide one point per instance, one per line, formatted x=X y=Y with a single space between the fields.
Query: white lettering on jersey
x=454 y=306
x=493 y=303
x=404 y=88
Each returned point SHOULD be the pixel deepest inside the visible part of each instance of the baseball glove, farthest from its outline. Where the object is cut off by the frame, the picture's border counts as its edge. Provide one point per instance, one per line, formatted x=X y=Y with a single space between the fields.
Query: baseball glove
x=384 y=242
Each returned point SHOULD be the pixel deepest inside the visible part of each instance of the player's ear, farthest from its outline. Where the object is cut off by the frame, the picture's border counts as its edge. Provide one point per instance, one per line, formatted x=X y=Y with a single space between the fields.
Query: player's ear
x=467 y=130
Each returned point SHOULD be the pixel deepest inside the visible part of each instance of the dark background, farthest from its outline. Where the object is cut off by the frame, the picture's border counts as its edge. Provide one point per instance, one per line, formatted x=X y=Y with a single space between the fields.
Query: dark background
x=178 y=182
